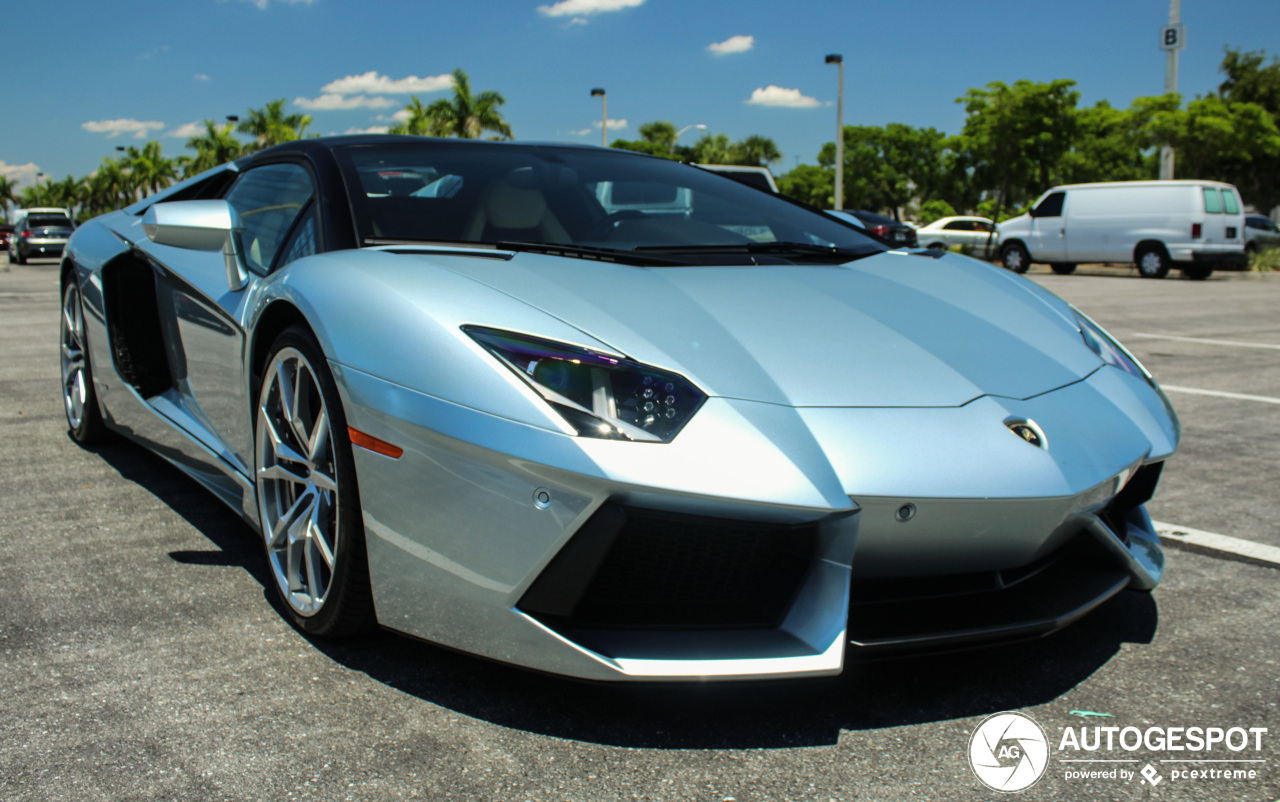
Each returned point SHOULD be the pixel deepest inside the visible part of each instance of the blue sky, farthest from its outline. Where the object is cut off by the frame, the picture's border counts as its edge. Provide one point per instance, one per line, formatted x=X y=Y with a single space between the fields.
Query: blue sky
x=119 y=73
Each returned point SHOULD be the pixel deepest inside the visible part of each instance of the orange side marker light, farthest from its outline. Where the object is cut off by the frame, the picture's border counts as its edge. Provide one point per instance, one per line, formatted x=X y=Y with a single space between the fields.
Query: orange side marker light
x=371 y=443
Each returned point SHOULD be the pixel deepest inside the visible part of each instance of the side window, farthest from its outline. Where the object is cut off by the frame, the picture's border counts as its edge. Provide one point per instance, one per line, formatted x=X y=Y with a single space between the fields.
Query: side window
x=269 y=199
x=1212 y=203
x=1229 y=203
x=1051 y=206
x=303 y=241
x=958 y=225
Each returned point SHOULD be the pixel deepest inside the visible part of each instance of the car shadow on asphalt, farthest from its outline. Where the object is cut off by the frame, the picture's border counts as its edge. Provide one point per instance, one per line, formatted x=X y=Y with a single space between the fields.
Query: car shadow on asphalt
x=724 y=715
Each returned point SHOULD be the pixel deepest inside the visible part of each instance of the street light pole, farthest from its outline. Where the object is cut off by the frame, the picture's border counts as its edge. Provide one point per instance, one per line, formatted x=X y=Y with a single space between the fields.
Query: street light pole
x=604 y=115
x=699 y=126
x=38 y=177
x=837 y=59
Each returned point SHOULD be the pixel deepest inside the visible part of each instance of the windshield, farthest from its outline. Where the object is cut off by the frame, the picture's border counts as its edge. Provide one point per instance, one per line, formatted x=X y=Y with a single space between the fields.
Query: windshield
x=587 y=199
x=48 y=221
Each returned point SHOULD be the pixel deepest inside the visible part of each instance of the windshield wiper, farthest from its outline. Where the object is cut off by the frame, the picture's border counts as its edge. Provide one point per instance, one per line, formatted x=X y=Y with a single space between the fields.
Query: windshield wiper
x=628 y=257
x=780 y=248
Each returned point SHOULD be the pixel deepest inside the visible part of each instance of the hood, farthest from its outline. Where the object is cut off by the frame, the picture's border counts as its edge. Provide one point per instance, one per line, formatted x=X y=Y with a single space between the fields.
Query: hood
x=890 y=330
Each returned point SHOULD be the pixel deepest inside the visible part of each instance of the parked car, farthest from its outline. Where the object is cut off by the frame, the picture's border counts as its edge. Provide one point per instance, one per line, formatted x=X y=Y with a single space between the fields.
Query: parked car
x=1260 y=232
x=40 y=233
x=1196 y=226
x=888 y=229
x=606 y=442
x=5 y=231
x=758 y=177
x=977 y=233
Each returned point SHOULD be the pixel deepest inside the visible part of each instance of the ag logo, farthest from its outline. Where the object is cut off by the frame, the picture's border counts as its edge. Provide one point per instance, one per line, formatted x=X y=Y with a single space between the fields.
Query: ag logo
x=1008 y=752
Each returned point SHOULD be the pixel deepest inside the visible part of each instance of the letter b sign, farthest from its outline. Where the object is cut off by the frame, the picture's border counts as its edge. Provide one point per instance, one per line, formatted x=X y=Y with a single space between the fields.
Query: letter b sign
x=1171 y=37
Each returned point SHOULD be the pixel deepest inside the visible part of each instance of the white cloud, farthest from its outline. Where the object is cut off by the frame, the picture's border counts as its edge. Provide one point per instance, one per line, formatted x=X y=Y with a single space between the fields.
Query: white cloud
x=614 y=125
x=262 y=4
x=734 y=44
x=777 y=96
x=332 y=102
x=585 y=8
x=187 y=130
x=578 y=21
x=200 y=76
x=114 y=128
x=373 y=129
x=372 y=83
x=583 y=131
x=19 y=173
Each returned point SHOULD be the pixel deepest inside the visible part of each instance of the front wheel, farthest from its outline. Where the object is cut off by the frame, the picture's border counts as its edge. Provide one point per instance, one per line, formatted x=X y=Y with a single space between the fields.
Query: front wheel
x=308 y=502
x=1153 y=262
x=1015 y=257
x=79 y=400
x=1063 y=269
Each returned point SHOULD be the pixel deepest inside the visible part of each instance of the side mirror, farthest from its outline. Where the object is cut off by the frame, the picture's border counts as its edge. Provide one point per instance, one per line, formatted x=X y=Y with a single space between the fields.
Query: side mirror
x=200 y=225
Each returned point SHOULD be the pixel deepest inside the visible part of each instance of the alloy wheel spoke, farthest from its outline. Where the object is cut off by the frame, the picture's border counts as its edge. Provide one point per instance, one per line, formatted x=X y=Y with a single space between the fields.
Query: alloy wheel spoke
x=280 y=449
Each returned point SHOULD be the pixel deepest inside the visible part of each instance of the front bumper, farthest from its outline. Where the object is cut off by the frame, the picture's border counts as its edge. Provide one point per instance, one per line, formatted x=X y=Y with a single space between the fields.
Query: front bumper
x=738 y=550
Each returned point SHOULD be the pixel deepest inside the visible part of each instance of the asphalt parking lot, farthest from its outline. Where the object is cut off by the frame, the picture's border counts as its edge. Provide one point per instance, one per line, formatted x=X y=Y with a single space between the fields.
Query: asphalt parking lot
x=142 y=657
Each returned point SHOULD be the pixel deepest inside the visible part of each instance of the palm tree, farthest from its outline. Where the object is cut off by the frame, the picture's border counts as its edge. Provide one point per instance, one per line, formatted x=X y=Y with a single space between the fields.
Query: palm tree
x=269 y=126
x=756 y=151
x=467 y=116
x=8 y=195
x=149 y=171
x=213 y=147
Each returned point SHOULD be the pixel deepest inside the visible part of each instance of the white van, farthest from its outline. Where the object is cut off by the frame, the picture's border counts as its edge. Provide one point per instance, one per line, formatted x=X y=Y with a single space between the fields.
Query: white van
x=1194 y=225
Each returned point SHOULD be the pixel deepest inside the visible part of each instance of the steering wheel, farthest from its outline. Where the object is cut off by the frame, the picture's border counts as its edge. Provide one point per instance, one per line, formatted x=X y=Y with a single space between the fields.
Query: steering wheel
x=601 y=229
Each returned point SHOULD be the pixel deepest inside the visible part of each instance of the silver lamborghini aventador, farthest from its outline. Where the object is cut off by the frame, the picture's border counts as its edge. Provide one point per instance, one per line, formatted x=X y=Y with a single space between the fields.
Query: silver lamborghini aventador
x=611 y=416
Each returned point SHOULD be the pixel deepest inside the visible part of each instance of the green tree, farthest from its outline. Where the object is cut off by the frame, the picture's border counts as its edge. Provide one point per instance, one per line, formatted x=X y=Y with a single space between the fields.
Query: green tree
x=8 y=195
x=809 y=184
x=1017 y=136
x=1250 y=78
x=214 y=146
x=755 y=151
x=466 y=116
x=935 y=210
x=1109 y=146
x=149 y=171
x=269 y=126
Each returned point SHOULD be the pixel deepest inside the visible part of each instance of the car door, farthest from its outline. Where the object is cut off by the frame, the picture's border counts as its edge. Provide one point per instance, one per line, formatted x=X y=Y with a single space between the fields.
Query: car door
x=203 y=318
x=1049 y=229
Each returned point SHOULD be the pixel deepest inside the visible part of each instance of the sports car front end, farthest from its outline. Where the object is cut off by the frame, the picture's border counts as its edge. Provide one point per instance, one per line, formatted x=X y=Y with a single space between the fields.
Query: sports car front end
x=612 y=417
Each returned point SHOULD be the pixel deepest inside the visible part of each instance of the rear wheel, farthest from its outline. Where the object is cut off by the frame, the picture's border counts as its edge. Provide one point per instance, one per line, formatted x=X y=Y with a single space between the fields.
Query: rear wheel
x=308 y=503
x=1063 y=268
x=79 y=400
x=1015 y=257
x=1153 y=262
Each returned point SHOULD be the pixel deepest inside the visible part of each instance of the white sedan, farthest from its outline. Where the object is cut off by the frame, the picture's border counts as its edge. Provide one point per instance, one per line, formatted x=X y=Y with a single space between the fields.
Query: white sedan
x=976 y=232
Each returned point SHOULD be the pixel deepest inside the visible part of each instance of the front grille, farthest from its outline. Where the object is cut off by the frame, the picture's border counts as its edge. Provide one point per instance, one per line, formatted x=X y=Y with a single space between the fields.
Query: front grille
x=630 y=567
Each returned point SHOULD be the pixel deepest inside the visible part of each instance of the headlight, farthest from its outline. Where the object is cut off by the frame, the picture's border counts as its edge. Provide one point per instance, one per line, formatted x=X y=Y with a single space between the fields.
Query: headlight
x=1105 y=346
x=598 y=395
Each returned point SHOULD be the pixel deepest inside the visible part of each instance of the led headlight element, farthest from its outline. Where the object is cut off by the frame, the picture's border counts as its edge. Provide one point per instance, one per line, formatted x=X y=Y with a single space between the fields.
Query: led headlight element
x=1105 y=346
x=598 y=395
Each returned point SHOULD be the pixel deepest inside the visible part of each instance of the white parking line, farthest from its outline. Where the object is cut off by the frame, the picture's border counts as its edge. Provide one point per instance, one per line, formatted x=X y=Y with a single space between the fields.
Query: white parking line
x=1216 y=542
x=1265 y=399
x=1235 y=343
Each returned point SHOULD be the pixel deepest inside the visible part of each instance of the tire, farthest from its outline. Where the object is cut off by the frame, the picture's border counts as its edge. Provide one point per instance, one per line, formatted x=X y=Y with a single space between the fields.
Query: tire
x=79 y=399
x=1063 y=268
x=1015 y=257
x=308 y=501
x=941 y=246
x=1153 y=262
x=19 y=258
x=1197 y=272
